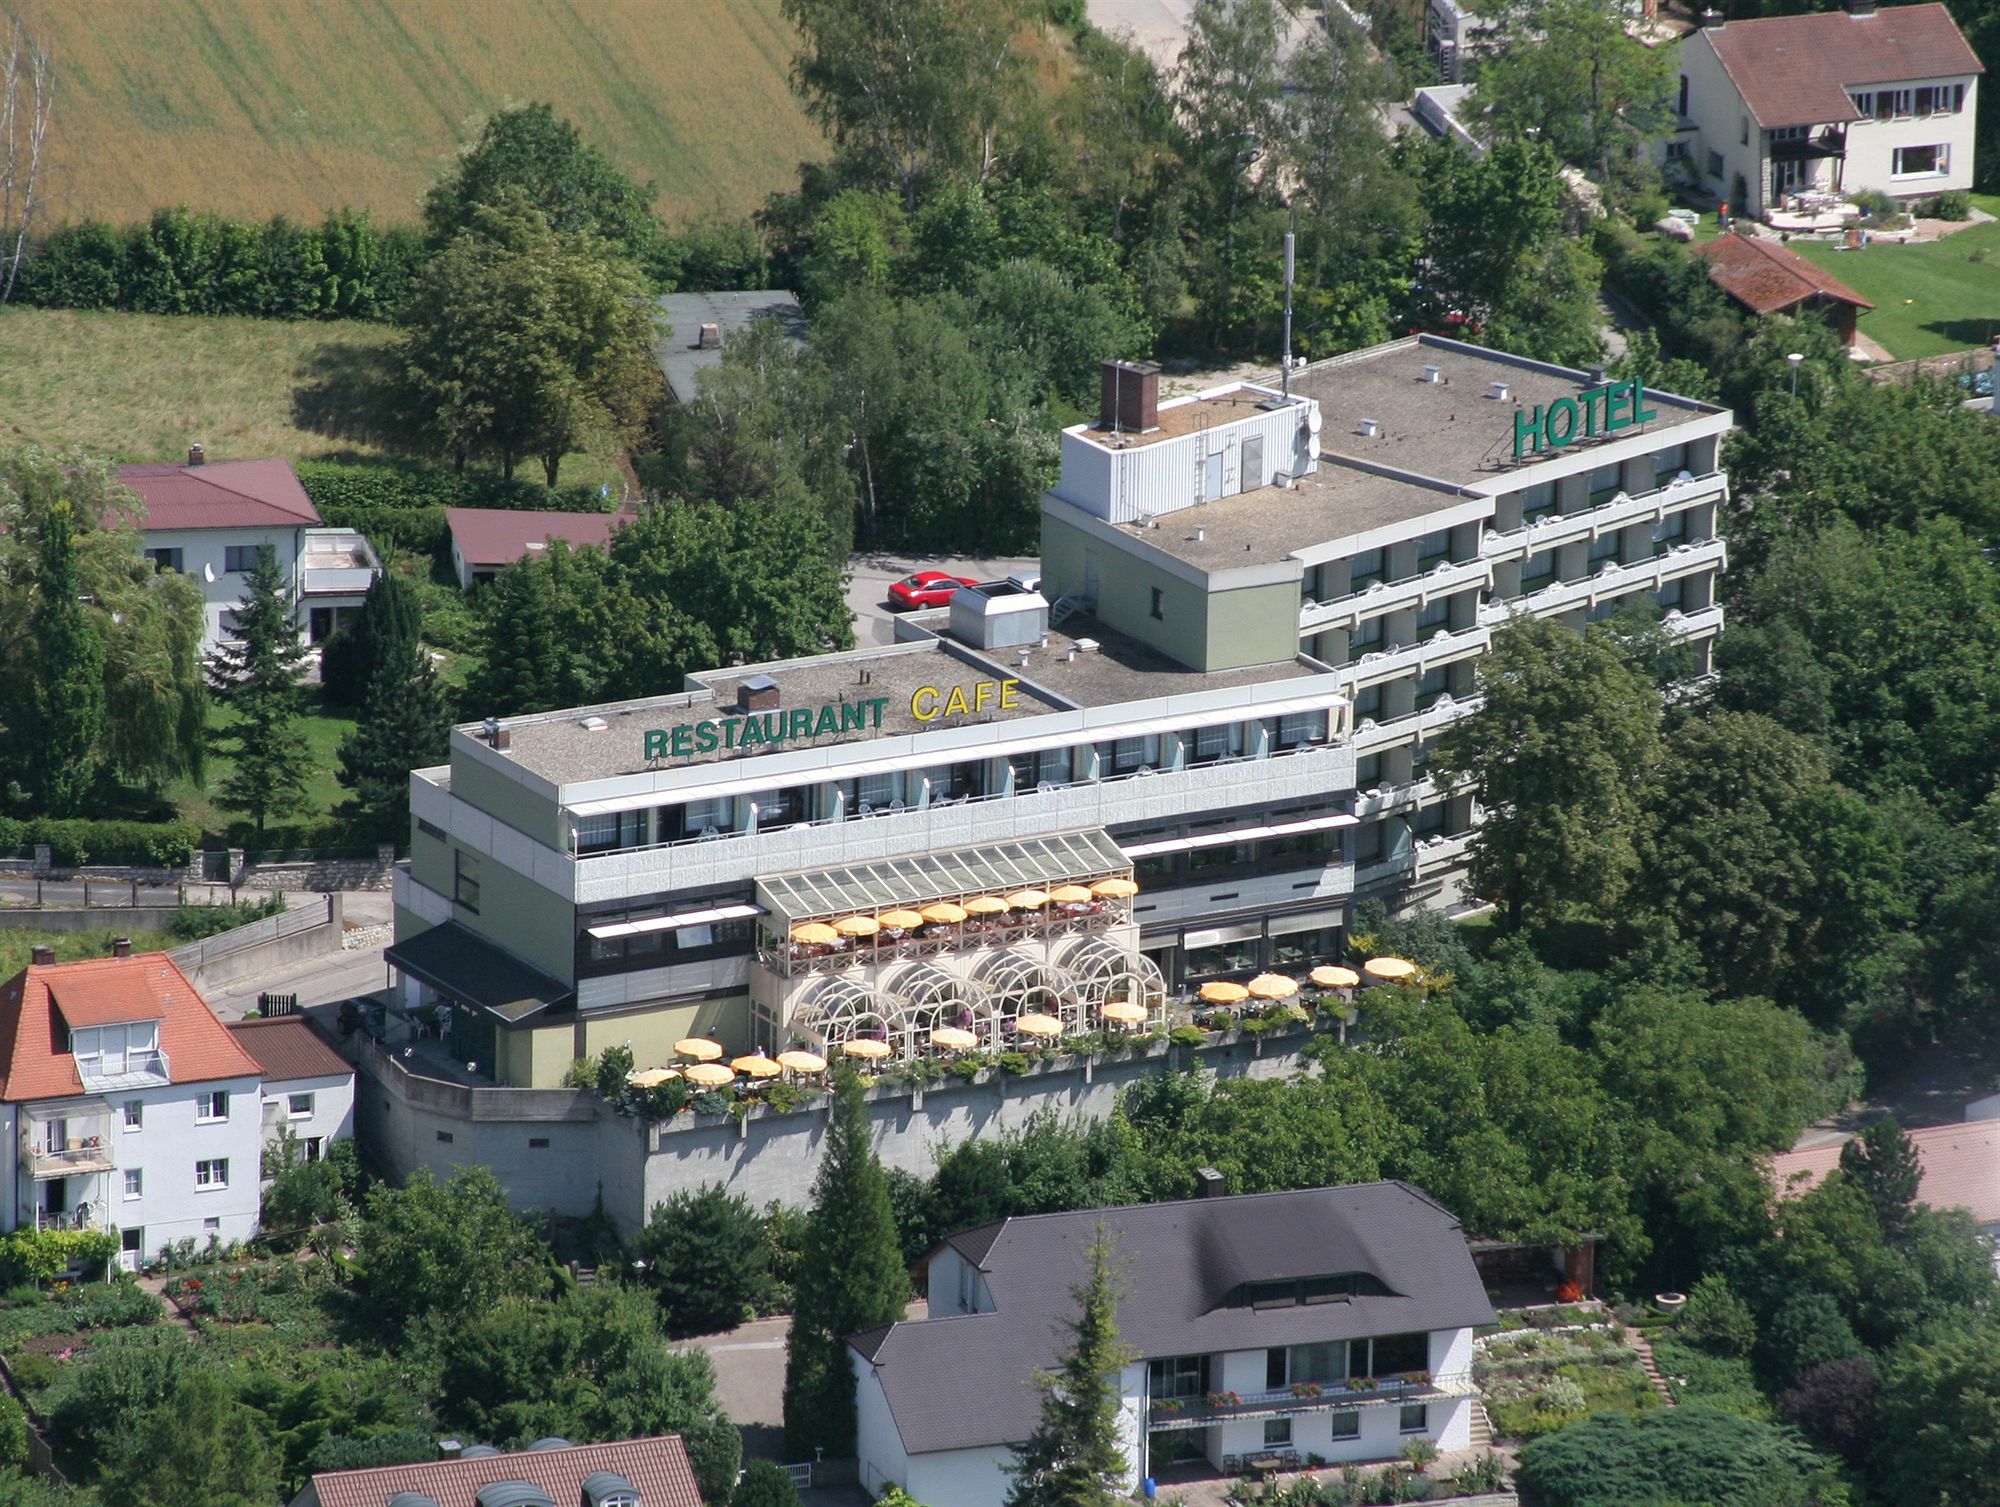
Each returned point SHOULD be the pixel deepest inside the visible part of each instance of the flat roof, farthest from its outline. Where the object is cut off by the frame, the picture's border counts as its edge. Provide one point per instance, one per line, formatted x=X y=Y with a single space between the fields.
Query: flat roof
x=1270 y=524
x=582 y=744
x=1185 y=415
x=1450 y=429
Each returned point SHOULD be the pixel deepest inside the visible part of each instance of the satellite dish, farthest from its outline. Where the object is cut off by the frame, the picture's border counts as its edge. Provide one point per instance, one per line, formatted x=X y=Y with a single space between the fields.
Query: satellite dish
x=1312 y=420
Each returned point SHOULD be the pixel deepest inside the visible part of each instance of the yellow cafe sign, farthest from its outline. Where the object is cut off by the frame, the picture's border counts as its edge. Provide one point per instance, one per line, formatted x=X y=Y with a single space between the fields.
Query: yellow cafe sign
x=929 y=702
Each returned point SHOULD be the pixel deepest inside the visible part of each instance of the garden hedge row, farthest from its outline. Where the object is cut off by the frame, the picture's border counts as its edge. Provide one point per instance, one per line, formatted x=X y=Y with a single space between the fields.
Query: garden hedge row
x=338 y=484
x=159 y=845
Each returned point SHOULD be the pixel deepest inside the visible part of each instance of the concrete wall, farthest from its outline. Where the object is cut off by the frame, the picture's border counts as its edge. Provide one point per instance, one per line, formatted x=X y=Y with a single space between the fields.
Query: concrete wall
x=96 y=918
x=223 y=958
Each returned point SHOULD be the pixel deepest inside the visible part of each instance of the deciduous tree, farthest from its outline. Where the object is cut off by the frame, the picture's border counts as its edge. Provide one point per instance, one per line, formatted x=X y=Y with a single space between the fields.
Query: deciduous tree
x=452 y=1248
x=202 y=1445
x=54 y=710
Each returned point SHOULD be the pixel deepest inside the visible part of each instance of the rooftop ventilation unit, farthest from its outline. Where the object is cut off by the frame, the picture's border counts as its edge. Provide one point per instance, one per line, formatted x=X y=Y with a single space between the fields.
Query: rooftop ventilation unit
x=1432 y=373
x=1499 y=392
x=756 y=693
x=593 y=724
x=1200 y=533
x=1371 y=428
x=496 y=735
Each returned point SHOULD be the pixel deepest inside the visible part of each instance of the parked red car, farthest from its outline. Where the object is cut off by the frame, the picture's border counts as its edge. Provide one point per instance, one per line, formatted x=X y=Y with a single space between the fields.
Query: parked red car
x=927 y=588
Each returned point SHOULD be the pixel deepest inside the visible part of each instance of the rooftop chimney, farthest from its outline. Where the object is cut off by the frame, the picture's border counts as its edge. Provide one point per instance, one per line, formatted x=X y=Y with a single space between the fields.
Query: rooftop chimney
x=1431 y=373
x=42 y=955
x=1711 y=19
x=496 y=735
x=757 y=694
x=709 y=338
x=1860 y=9
x=1129 y=396
x=121 y=947
x=450 y=1449
x=196 y=456
x=1211 y=1183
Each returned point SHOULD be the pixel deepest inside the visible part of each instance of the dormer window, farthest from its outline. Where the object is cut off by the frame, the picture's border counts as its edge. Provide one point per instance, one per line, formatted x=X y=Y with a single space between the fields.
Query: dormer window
x=1291 y=1292
x=116 y=1051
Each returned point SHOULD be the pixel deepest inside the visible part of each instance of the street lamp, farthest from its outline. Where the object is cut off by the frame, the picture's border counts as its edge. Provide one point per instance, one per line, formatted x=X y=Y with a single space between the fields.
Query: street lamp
x=1794 y=359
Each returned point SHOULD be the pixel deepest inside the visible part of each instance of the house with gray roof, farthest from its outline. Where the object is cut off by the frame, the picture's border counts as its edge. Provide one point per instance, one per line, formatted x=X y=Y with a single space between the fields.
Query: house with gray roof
x=1272 y=1327
x=699 y=326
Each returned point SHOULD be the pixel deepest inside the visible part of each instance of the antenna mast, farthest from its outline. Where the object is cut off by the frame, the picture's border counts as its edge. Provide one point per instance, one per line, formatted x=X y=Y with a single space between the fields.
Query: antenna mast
x=1286 y=372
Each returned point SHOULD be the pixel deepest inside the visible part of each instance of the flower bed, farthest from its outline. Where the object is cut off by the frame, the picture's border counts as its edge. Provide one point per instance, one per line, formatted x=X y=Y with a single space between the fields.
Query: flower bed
x=1536 y=1382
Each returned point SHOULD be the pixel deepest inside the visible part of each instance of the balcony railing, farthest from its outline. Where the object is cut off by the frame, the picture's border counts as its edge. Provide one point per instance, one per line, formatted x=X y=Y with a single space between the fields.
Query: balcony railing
x=792 y=960
x=1443 y=647
x=90 y=1154
x=1387 y=596
x=1440 y=713
x=1306 y=1397
x=83 y=1217
x=1621 y=511
x=1613 y=579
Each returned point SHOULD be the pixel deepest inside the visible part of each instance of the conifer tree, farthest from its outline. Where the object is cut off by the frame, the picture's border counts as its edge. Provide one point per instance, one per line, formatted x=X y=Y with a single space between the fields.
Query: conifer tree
x=1884 y=1163
x=390 y=619
x=56 y=715
x=256 y=679
x=1074 y=1457
x=851 y=1278
x=405 y=724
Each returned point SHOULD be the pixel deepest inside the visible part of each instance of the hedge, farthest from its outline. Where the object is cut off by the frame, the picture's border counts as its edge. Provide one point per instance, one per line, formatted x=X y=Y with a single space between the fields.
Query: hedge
x=154 y=845
x=335 y=484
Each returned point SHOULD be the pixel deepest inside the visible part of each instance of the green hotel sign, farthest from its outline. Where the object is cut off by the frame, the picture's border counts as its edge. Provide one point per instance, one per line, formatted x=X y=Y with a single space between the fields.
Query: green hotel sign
x=787 y=726
x=1596 y=411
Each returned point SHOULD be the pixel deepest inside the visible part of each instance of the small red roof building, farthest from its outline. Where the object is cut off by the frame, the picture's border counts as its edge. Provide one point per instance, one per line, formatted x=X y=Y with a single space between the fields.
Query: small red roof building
x=288 y=1048
x=42 y=1003
x=630 y=1472
x=485 y=540
x=1766 y=277
x=1958 y=1167
x=201 y=494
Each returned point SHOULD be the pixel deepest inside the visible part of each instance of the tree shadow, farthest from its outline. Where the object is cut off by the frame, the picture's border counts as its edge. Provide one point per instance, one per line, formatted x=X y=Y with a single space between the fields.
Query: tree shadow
x=356 y=393
x=1967 y=332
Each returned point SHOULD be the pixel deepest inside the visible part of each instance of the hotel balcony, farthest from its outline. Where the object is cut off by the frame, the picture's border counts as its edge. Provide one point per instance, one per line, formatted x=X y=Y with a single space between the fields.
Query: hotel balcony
x=68 y=1140
x=1373 y=737
x=1384 y=596
x=1307 y=1397
x=1613 y=580
x=1621 y=511
x=1442 y=648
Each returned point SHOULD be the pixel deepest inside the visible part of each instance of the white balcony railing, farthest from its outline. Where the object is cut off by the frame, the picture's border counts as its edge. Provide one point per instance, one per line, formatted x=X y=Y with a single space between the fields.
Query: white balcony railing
x=1621 y=511
x=1390 y=596
x=1442 y=648
x=1372 y=737
x=1613 y=580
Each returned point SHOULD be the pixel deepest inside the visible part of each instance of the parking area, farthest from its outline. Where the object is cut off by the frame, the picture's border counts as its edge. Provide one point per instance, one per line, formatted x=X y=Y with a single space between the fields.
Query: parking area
x=870 y=575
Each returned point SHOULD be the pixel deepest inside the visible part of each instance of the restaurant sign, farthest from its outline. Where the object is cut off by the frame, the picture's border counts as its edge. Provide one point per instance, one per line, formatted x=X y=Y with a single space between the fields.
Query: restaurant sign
x=1593 y=412
x=789 y=725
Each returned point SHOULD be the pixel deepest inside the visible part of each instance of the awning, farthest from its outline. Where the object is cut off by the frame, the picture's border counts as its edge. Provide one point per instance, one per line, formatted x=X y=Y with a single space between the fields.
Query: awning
x=472 y=971
x=1236 y=835
x=922 y=878
x=708 y=917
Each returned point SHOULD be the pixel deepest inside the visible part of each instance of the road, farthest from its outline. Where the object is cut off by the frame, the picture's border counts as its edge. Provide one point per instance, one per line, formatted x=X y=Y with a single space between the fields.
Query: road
x=321 y=980
x=15 y=890
x=870 y=575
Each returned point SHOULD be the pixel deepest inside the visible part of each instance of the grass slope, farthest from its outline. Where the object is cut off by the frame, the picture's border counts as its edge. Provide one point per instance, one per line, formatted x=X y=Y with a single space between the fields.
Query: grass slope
x=324 y=727
x=1929 y=299
x=298 y=106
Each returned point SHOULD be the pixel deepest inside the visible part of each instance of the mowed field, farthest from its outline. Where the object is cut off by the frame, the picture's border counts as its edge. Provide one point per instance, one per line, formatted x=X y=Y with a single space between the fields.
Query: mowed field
x=257 y=107
x=1929 y=299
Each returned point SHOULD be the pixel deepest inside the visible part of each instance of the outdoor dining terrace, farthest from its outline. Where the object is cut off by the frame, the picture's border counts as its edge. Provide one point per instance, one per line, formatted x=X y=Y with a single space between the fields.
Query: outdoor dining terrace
x=1302 y=1397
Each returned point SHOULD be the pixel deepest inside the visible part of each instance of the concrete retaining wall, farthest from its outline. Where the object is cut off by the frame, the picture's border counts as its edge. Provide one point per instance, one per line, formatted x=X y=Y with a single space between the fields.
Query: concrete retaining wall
x=97 y=918
x=263 y=945
x=568 y=1152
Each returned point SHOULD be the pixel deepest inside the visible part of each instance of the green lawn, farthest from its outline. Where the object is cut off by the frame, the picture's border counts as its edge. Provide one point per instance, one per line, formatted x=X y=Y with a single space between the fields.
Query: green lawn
x=324 y=730
x=1929 y=299
x=16 y=947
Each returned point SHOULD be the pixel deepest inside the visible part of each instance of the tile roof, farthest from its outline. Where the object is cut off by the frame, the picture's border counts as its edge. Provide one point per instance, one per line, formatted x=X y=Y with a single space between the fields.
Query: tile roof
x=1958 y=1168
x=960 y=1382
x=1796 y=70
x=38 y=1001
x=221 y=494
x=500 y=536
x=657 y=1468
x=289 y=1047
x=1767 y=277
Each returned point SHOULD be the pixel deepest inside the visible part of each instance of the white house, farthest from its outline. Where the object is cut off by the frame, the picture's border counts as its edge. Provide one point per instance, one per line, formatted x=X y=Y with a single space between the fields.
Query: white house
x=308 y=1087
x=1827 y=104
x=1328 y=1323
x=485 y=541
x=133 y=1108
x=208 y=520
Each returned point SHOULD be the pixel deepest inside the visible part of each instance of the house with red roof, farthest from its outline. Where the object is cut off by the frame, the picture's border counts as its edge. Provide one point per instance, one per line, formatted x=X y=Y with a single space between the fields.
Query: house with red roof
x=1763 y=276
x=485 y=541
x=1875 y=97
x=549 y=1473
x=308 y=1087
x=209 y=519
x=1958 y=1167
x=132 y=1108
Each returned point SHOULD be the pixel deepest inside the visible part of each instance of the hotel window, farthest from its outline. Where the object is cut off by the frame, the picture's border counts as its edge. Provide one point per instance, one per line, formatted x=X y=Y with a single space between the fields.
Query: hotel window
x=1606 y=482
x=165 y=559
x=135 y=1182
x=1433 y=550
x=1367 y=636
x=1921 y=162
x=870 y=793
x=711 y=818
x=1538 y=501
x=965 y=782
x=1413 y=1418
x=1669 y=462
x=597 y=834
x=212 y=1172
x=210 y=1107
x=465 y=879
x=1431 y=685
x=1365 y=569
x=1368 y=705
x=239 y=558
x=1605 y=547
x=1345 y=1425
x=1368 y=842
x=1297 y=730
x=1128 y=755
x=135 y=1114
x=1159 y=603
x=1669 y=531
x=1224 y=741
x=1671 y=595
x=1436 y=615
x=1538 y=571
x=298 y=1106
x=777 y=809
x=1277 y=1433
x=1049 y=766
x=1221 y=855
x=1368 y=772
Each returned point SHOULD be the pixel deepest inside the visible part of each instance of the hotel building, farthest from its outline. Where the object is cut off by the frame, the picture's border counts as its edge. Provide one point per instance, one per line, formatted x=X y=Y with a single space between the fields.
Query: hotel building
x=1256 y=611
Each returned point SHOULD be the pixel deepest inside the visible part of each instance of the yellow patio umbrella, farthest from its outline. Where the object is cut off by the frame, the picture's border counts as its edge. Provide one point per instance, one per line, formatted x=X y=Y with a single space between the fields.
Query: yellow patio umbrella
x=1036 y=1024
x=1393 y=969
x=865 y=1046
x=1221 y=992
x=651 y=1077
x=1115 y=889
x=952 y=1039
x=1272 y=986
x=857 y=926
x=1329 y=976
x=710 y=1075
x=757 y=1067
x=944 y=911
x=1070 y=894
x=1124 y=1012
x=985 y=905
x=902 y=920
x=815 y=933
x=803 y=1062
x=698 y=1047
x=1028 y=899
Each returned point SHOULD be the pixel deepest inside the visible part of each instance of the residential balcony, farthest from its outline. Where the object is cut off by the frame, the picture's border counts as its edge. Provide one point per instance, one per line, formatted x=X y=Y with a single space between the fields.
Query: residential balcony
x=68 y=1141
x=1396 y=868
x=337 y=562
x=1373 y=737
x=1389 y=596
x=1621 y=511
x=1612 y=580
x=1440 y=851
x=1442 y=648
x=1308 y=1397
x=1694 y=624
x=84 y=1217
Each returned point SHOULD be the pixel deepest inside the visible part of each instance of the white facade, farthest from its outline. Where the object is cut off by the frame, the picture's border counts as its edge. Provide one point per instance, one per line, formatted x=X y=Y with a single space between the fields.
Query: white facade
x=319 y=1111
x=1453 y=36
x=330 y=571
x=1910 y=138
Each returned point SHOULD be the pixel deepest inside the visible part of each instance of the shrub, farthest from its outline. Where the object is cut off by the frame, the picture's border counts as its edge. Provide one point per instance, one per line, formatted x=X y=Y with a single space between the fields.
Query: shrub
x=1188 y=1036
x=764 y=1485
x=97 y=1305
x=14 y=1433
x=1953 y=205
x=191 y=923
x=34 y=1373
x=1717 y=1320
x=42 y=1255
x=360 y=1451
x=708 y=1260
x=1834 y=1405
x=154 y=845
x=1012 y=1062
x=342 y=484
x=1689 y=1454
